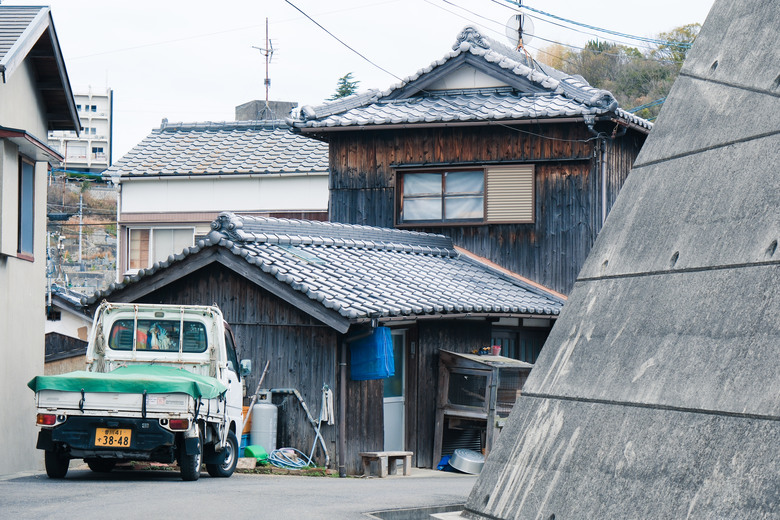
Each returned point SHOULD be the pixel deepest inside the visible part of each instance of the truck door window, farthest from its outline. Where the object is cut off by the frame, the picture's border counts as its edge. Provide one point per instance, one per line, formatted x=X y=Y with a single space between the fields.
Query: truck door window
x=158 y=335
x=232 y=360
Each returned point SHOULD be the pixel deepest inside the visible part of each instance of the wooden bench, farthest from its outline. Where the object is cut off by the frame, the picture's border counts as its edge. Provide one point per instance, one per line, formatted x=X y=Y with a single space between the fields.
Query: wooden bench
x=387 y=461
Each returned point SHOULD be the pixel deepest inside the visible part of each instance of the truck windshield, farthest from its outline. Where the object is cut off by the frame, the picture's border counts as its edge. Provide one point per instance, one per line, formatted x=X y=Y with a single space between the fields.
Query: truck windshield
x=158 y=335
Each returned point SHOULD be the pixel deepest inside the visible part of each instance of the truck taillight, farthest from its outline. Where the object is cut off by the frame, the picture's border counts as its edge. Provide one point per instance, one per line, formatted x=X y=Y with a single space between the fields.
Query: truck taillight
x=46 y=419
x=179 y=424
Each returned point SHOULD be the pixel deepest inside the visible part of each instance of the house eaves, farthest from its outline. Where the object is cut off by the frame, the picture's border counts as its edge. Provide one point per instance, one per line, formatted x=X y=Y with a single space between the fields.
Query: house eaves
x=30 y=145
x=531 y=91
x=29 y=33
x=345 y=274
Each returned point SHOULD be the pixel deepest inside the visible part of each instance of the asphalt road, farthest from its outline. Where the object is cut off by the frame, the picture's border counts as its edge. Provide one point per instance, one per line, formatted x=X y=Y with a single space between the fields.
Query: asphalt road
x=149 y=495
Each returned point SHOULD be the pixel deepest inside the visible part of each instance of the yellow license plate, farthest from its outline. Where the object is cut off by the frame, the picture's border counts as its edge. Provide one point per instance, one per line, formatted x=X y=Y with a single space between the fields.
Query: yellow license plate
x=113 y=437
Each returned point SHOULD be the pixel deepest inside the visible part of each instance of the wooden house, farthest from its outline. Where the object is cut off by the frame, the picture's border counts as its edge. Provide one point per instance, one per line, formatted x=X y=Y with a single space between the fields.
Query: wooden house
x=297 y=293
x=515 y=161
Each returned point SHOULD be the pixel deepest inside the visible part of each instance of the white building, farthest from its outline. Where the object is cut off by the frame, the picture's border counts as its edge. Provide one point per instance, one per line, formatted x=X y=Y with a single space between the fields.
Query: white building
x=177 y=181
x=90 y=151
x=35 y=97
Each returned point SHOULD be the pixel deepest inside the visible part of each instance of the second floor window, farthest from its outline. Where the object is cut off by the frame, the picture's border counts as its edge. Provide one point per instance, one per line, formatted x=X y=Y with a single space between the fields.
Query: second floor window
x=443 y=196
x=26 y=207
x=494 y=194
x=147 y=246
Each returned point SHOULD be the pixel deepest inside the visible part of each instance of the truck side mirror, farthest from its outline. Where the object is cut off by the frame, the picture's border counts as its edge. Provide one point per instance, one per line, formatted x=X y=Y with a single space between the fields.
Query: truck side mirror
x=246 y=367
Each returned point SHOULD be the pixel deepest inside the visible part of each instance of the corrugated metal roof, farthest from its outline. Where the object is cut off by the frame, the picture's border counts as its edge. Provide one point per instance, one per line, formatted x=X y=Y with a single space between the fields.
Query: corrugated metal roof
x=540 y=92
x=366 y=272
x=14 y=21
x=243 y=147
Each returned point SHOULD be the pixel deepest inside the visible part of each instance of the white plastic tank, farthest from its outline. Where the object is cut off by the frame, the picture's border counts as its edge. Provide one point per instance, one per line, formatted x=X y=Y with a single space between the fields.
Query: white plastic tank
x=263 y=429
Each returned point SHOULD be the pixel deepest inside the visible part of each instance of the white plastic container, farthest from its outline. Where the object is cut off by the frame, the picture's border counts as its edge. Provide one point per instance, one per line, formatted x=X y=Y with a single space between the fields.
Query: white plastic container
x=263 y=429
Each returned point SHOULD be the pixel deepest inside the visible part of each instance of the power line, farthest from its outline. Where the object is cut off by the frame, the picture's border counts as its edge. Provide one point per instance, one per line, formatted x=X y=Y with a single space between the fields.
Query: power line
x=341 y=41
x=648 y=105
x=645 y=39
x=496 y=123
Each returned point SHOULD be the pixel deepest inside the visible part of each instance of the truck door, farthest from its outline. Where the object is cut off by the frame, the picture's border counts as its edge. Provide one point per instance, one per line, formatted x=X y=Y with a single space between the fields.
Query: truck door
x=235 y=398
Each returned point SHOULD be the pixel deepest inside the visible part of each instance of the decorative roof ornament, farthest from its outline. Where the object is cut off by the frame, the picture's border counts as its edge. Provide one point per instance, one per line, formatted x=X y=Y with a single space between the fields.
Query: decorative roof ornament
x=472 y=36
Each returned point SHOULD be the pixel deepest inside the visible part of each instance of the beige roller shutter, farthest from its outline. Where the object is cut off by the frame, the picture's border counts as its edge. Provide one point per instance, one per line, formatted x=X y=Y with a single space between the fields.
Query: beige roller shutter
x=510 y=193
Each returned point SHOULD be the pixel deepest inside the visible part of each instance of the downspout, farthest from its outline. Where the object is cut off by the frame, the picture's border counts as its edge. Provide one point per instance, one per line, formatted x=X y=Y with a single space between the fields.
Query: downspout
x=343 y=411
x=601 y=165
x=603 y=160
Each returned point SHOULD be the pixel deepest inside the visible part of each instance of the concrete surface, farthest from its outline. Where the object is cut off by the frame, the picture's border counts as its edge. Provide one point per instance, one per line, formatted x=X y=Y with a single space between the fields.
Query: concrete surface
x=160 y=494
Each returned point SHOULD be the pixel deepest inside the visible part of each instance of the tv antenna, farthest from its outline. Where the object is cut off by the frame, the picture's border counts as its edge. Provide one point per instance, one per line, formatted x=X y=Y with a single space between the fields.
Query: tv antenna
x=268 y=53
x=519 y=30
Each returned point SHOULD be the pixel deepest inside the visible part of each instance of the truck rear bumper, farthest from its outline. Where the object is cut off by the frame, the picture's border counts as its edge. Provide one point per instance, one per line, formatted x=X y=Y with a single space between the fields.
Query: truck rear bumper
x=77 y=437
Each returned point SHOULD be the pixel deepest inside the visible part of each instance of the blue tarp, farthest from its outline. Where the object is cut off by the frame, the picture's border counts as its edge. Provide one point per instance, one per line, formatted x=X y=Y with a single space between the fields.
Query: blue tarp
x=372 y=356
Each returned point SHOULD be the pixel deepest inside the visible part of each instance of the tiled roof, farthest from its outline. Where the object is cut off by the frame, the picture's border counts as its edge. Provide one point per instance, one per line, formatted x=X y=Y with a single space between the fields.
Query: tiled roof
x=554 y=94
x=368 y=272
x=242 y=147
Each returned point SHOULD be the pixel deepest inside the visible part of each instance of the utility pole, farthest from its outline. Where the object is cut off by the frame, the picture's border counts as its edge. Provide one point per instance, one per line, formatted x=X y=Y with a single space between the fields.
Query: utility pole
x=267 y=52
x=81 y=206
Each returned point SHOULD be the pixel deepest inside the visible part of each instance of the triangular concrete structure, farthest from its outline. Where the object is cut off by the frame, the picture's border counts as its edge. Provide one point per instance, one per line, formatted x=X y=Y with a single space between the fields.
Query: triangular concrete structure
x=657 y=394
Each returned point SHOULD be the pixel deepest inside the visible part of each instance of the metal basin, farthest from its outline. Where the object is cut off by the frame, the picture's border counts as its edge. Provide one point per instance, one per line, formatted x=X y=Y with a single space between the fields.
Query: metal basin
x=467 y=461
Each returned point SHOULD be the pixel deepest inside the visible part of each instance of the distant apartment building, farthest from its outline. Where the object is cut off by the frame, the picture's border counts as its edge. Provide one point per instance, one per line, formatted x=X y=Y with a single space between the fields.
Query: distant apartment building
x=91 y=151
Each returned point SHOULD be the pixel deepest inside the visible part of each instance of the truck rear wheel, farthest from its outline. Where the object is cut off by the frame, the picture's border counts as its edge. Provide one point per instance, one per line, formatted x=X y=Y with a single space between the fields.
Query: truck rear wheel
x=100 y=465
x=57 y=463
x=230 y=458
x=190 y=464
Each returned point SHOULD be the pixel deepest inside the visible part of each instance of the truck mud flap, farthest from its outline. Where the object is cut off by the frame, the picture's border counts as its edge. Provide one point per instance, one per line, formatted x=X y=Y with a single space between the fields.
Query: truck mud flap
x=191 y=446
x=44 y=440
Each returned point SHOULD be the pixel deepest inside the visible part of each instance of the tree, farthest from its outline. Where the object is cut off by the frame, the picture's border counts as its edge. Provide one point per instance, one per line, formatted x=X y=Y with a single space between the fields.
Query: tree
x=680 y=40
x=633 y=77
x=345 y=87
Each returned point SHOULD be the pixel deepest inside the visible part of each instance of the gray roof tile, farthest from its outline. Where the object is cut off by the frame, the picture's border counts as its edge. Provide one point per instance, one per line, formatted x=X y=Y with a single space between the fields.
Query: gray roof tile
x=244 y=147
x=562 y=95
x=361 y=278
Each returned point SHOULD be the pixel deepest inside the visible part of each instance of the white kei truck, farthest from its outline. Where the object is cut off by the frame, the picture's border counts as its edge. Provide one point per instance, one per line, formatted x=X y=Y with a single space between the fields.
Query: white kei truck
x=162 y=384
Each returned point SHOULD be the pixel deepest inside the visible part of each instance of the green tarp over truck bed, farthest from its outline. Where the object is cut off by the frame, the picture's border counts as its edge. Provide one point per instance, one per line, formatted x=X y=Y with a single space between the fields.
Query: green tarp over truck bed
x=134 y=379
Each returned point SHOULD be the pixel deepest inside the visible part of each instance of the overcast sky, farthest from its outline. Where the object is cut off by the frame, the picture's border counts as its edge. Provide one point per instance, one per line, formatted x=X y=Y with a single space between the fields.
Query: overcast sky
x=195 y=60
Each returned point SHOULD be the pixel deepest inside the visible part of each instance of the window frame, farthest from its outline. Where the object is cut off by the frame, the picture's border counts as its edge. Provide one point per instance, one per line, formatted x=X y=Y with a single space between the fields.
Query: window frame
x=400 y=176
x=23 y=211
x=150 y=247
x=494 y=178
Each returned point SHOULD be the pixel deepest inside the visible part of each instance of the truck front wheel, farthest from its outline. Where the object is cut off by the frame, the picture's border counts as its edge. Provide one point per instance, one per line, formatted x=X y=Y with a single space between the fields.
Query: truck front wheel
x=190 y=464
x=57 y=463
x=229 y=459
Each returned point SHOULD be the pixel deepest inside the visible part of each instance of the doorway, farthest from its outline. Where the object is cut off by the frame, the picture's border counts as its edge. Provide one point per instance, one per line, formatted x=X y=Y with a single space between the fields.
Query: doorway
x=395 y=398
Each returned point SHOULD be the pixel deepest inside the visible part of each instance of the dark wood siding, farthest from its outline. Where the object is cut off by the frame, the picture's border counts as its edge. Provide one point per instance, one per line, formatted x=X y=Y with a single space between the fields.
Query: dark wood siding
x=568 y=187
x=59 y=346
x=302 y=351
x=430 y=336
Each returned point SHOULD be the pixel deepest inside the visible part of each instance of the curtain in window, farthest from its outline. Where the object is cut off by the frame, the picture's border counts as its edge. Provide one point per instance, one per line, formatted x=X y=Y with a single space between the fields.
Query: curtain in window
x=168 y=242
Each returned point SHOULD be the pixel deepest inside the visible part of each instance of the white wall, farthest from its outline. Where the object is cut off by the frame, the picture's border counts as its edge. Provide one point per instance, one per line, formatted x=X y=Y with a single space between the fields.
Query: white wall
x=22 y=282
x=22 y=317
x=70 y=324
x=466 y=77
x=20 y=104
x=260 y=193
